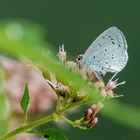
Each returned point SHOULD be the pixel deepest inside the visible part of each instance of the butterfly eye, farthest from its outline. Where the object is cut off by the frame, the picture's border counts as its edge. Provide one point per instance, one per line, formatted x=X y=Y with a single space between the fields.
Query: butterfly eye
x=79 y=58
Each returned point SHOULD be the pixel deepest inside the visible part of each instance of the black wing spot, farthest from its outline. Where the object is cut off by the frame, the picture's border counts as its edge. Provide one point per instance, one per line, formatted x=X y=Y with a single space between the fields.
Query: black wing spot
x=103 y=37
x=112 y=57
x=98 y=61
x=105 y=50
x=113 y=42
x=102 y=68
x=109 y=66
x=100 y=45
x=110 y=37
x=94 y=56
x=119 y=46
x=106 y=62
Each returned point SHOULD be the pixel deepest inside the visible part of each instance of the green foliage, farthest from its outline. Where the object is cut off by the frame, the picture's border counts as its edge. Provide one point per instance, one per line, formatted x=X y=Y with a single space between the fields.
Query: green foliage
x=50 y=134
x=23 y=32
x=19 y=49
x=24 y=102
x=122 y=113
x=3 y=115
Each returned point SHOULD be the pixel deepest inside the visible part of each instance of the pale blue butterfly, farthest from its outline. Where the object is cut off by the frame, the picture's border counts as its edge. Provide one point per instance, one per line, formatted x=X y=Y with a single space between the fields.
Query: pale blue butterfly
x=108 y=53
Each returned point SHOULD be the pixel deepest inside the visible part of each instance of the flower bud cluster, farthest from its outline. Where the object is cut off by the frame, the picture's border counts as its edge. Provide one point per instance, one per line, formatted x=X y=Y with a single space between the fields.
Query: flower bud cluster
x=90 y=114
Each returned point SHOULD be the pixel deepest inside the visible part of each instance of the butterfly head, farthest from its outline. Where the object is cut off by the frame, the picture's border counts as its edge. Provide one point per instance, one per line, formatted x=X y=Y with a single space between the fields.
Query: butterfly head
x=79 y=58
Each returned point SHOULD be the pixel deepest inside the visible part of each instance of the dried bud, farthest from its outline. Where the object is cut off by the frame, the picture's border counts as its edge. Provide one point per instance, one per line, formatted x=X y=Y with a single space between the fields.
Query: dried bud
x=113 y=84
x=45 y=74
x=72 y=66
x=62 y=87
x=88 y=114
x=79 y=96
x=96 y=108
x=92 y=111
x=62 y=54
x=91 y=76
x=95 y=120
x=93 y=107
x=92 y=122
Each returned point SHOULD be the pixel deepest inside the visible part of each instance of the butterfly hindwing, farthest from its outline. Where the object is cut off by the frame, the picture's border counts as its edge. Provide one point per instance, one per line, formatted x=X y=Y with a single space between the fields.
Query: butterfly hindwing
x=107 y=53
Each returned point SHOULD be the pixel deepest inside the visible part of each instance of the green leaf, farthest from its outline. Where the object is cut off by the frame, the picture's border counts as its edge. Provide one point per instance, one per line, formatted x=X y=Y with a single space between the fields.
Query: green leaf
x=3 y=115
x=24 y=102
x=50 y=134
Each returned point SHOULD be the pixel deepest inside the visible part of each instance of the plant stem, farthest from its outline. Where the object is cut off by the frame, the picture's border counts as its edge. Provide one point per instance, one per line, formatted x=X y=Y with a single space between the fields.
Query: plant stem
x=58 y=103
x=68 y=121
x=74 y=124
x=32 y=125
x=49 y=118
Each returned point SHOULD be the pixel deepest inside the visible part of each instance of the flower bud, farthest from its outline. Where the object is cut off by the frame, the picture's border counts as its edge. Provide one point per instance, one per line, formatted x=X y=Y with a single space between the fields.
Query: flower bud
x=92 y=122
x=88 y=114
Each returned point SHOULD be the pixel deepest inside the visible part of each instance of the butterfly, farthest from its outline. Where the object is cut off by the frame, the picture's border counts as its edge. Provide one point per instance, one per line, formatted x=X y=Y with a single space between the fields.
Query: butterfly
x=108 y=53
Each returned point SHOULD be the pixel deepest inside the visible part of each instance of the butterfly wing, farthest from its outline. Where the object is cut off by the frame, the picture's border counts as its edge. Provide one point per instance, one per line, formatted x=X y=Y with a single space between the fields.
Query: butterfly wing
x=108 y=53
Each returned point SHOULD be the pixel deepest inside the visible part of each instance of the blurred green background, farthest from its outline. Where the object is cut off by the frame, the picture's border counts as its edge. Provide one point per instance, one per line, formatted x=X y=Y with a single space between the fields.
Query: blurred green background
x=77 y=24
